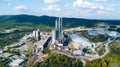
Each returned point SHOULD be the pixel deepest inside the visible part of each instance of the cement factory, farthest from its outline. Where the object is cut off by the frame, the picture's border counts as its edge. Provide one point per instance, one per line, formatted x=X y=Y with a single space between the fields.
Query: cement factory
x=80 y=43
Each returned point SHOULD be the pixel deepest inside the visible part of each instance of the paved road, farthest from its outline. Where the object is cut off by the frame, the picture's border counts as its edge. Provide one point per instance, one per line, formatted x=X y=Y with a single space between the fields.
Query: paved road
x=88 y=56
x=106 y=49
x=31 y=60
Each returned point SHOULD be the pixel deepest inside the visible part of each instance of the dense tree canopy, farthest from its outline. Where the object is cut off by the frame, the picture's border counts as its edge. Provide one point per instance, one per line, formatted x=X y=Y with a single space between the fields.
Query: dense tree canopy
x=58 y=60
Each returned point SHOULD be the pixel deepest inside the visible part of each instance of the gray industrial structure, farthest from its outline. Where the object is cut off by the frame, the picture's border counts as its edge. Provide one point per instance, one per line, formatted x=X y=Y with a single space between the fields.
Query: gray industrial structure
x=57 y=34
x=36 y=34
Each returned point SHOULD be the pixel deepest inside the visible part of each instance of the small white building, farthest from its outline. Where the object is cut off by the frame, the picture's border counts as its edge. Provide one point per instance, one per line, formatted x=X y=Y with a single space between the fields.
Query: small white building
x=17 y=63
x=60 y=44
x=53 y=37
x=6 y=55
x=92 y=33
x=27 y=37
x=77 y=52
x=15 y=57
x=1 y=51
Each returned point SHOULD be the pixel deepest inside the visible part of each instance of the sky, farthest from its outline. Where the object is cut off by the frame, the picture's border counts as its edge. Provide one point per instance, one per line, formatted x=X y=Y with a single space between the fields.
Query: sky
x=90 y=9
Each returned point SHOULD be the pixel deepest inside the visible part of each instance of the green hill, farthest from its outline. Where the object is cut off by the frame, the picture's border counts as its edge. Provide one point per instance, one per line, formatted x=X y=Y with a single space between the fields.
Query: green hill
x=49 y=20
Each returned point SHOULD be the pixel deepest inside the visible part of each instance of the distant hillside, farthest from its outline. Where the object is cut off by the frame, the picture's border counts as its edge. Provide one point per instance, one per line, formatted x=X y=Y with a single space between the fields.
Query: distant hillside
x=48 y=20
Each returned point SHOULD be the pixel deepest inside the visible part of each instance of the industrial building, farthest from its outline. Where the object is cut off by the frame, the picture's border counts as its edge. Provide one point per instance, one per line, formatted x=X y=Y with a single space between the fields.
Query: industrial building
x=36 y=34
x=41 y=44
x=57 y=34
x=17 y=63
x=79 y=41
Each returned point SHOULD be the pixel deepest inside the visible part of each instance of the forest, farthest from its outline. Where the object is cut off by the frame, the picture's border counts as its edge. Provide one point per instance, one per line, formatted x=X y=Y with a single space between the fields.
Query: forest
x=58 y=60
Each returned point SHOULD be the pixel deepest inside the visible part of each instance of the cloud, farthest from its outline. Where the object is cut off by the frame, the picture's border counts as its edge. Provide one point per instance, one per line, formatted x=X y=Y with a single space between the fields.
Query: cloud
x=78 y=3
x=87 y=5
x=101 y=0
x=92 y=7
x=51 y=1
x=103 y=13
x=20 y=8
x=54 y=7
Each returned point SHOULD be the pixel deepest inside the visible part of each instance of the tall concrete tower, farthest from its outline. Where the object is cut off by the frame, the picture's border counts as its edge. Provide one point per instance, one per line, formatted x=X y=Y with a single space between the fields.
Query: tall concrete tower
x=59 y=31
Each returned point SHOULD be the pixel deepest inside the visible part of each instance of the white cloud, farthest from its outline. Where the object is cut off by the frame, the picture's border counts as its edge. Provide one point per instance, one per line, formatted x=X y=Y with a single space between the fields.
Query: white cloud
x=101 y=0
x=54 y=7
x=103 y=13
x=87 y=5
x=20 y=8
x=51 y=1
